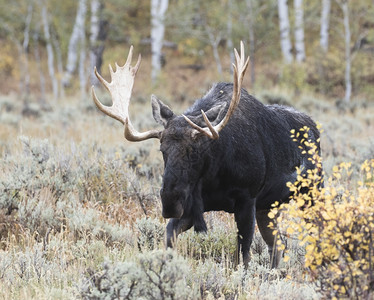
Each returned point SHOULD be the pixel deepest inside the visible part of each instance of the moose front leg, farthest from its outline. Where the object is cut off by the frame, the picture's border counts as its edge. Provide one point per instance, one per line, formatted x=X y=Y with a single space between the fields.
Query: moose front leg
x=176 y=227
x=245 y=221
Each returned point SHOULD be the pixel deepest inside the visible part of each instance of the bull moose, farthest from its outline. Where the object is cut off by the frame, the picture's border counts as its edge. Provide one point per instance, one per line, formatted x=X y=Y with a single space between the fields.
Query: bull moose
x=228 y=152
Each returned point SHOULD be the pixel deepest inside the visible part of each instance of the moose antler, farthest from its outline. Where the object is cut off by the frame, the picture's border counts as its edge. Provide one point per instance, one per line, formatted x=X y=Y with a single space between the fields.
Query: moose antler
x=120 y=89
x=239 y=70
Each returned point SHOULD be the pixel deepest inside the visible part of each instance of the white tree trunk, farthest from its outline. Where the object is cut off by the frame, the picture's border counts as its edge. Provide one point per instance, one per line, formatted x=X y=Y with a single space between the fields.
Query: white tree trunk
x=60 y=68
x=94 y=34
x=38 y=63
x=26 y=39
x=347 y=37
x=299 y=30
x=325 y=23
x=98 y=34
x=158 y=10
x=214 y=42
x=251 y=41
x=82 y=63
x=284 y=27
x=26 y=32
x=230 y=44
x=74 y=42
x=51 y=68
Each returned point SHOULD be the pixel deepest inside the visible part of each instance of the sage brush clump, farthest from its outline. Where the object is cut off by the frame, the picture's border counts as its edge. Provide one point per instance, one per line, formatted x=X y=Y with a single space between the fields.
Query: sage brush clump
x=25 y=174
x=159 y=274
x=151 y=233
x=115 y=281
x=218 y=243
x=32 y=265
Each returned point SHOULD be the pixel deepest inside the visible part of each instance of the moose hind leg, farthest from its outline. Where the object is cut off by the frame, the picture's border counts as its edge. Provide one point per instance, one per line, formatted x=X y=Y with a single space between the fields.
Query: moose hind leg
x=176 y=227
x=263 y=221
x=245 y=221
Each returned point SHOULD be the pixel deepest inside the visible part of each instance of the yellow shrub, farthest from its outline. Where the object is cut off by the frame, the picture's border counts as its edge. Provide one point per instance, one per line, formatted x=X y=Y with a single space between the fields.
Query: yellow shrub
x=335 y=224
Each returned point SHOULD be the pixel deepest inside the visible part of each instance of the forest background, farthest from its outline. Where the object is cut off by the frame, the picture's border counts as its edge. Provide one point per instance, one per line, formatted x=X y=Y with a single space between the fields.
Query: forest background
x=319 y=46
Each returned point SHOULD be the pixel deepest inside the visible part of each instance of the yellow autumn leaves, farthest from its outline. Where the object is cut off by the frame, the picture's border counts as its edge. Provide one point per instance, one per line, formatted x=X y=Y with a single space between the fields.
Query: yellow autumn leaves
x=335 y=224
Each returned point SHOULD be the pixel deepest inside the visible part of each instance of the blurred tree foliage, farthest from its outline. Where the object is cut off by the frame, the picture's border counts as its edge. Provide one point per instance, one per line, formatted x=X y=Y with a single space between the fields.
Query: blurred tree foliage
x=198 y=28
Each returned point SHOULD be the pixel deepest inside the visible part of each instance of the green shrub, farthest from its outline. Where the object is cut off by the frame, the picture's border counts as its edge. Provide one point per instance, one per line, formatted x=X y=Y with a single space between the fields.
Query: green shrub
x=294 y=75
x=30 y=265
x=102 y=178
x=158 y=274
x=218 y=243
x=90 y=223
x=25 y=175
x=151 y=233
x=114 y=281
x=164 y=275
x=41 y=212
x=210 y=277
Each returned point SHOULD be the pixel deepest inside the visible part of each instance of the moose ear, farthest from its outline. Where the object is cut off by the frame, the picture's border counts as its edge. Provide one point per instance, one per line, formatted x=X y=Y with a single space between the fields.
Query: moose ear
x=161 y=112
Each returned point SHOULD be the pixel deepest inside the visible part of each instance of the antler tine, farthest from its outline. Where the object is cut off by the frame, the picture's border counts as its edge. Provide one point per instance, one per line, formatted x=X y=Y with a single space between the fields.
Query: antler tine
x=111 y=111
x=129 y=57
x=193 y=125
x=209 y=132
x=111 y=70
x=134 y=136
x=120 y=88
x=101 y=79
x=239 y=70
x=214 y=132
x=136 y=67
x=105 y=109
